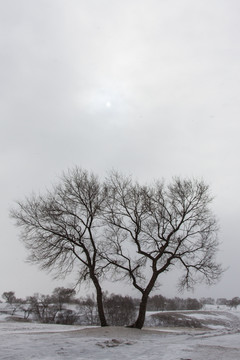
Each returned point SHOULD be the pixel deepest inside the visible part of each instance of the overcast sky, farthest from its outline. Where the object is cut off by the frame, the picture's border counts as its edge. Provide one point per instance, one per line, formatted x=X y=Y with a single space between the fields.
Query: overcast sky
x=148 y=87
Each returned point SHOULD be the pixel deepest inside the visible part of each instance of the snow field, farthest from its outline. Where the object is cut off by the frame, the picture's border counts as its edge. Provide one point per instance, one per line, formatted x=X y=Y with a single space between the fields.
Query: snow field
x=21 y=342
x=35 y=341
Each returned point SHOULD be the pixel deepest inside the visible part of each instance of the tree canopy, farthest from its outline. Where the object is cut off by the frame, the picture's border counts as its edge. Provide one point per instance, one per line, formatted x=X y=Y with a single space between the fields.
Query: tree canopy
x=135 y=231
x=61 y=228
x=153 y=228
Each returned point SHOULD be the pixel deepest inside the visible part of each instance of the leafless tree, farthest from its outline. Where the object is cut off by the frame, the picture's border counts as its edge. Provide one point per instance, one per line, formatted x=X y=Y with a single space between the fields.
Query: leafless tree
x=87 y=309
x=61 y=295
x=63 y=227
x=152 y=229
x=120 y=310
x=234 y=303
x=138 y=231
x=42 y=308
x=9 y=296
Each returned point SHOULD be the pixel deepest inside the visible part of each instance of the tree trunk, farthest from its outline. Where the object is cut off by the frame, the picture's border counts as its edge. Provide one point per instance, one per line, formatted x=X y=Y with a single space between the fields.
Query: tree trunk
x=143 y=304
x=141 y=313
x=101 y=314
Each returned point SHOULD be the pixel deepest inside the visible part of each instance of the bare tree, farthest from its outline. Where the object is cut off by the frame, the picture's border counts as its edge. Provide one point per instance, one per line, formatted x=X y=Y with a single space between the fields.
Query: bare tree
x=42 y=308
x=157 y=303
x=63 y=227
x=140 y=231
x=234 y=302
x=120 y=310
x=152 y=229
x=9 y=297
x=87 y=308
x=61 y=295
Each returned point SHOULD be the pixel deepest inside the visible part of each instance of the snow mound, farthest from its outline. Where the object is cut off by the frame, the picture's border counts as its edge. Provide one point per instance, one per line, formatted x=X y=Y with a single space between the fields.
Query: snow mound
x=195 y=319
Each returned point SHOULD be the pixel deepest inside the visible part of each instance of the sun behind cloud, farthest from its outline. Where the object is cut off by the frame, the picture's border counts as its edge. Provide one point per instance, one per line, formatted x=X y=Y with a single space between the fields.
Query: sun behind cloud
x=108 y=104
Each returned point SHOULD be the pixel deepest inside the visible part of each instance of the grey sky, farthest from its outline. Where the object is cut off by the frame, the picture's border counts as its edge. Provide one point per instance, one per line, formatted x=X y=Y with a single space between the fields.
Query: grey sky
x=148 y=87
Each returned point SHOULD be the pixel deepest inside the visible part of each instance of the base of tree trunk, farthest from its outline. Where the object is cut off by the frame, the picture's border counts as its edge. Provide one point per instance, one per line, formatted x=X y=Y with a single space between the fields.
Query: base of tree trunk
x=134 y=326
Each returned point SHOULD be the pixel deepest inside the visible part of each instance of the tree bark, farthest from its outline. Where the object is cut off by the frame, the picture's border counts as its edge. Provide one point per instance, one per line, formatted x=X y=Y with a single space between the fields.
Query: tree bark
x=141 y=313
x=143 y=304
x=101 y=314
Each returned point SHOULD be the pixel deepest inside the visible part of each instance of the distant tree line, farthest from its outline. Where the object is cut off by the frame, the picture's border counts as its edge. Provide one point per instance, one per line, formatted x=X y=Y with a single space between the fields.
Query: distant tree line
x=63 y=307
x=160 y=303
x=233 y=303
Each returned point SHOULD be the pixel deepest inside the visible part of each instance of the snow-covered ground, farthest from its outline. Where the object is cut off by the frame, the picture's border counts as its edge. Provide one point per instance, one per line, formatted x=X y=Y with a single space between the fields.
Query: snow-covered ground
x=25 y=341
x=44 y=342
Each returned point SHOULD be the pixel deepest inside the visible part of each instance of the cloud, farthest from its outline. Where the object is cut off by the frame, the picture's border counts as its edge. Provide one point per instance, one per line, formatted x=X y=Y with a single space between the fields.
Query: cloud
x=169 y=70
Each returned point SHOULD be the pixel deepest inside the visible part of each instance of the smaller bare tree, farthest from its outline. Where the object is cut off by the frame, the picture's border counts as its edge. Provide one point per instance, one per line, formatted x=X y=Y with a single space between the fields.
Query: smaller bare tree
x=9 y=296
x=234 y=302
x=41 y=307
x=88 y=311
x=61 y=295
x=120 y=310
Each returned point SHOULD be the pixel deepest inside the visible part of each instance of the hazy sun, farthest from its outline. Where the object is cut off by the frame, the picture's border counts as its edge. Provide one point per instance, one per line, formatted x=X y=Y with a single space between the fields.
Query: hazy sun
x=108 y=104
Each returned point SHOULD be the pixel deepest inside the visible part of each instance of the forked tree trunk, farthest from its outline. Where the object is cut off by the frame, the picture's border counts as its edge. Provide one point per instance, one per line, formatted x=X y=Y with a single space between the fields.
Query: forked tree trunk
x=143 y=304
x=101 y=314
